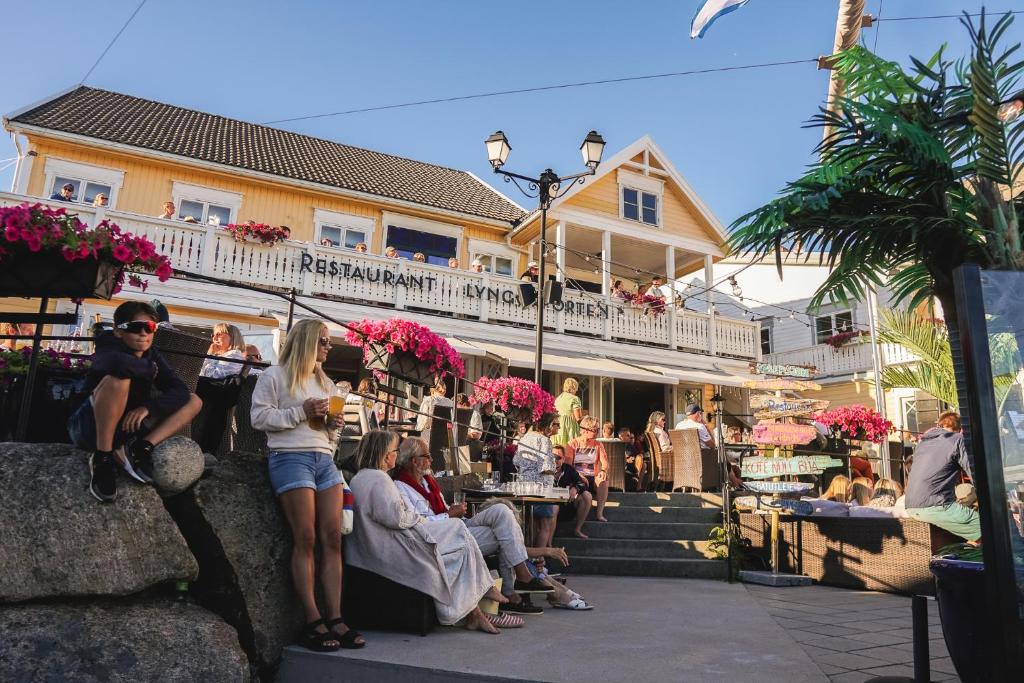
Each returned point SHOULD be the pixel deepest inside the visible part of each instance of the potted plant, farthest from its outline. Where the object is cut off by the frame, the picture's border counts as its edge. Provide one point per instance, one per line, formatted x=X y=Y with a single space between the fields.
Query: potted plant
x=520 y=400
x=405 y=350
x=856 y=422
x=49 y=253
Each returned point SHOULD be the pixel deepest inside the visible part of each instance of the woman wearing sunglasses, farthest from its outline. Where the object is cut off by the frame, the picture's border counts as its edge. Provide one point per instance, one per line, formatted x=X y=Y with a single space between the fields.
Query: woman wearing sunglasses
x=290 y=404
x=122 y=420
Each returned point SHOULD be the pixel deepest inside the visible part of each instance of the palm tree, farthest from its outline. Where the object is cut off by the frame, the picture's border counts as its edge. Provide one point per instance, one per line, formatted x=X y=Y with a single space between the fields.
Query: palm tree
x=913 y=179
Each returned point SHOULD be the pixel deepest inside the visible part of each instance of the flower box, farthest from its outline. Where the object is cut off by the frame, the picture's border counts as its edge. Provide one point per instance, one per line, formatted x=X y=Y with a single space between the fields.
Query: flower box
x=520 y=400
x=405 y=350
x=47 y=274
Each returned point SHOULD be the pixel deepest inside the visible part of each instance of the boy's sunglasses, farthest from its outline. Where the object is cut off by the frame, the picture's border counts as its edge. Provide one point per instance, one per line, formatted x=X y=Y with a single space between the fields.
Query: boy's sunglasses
x=138 y=326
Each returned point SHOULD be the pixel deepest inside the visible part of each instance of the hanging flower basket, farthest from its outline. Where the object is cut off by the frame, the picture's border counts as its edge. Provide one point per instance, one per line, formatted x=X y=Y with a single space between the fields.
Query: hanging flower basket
x=520 y=400
x=856 y=422
x=405 y=350
x=47 y=252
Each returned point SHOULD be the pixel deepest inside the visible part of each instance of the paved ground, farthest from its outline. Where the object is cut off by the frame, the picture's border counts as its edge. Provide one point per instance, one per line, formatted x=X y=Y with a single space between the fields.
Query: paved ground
x=643 y=629
x=854 y=635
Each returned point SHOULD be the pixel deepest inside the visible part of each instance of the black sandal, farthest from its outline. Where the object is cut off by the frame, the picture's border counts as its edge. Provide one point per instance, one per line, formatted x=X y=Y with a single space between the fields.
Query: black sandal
x=347 y=639
x=311 y=639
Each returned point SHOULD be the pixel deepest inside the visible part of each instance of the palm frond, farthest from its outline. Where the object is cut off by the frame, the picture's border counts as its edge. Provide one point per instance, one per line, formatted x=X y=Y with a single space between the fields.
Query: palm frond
x=923 y=378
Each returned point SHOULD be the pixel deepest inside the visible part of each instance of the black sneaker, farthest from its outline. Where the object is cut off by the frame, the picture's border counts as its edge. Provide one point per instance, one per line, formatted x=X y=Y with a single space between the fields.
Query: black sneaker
x=532 y=586
x=521 y=607
x=138 y=461
x=103 y=473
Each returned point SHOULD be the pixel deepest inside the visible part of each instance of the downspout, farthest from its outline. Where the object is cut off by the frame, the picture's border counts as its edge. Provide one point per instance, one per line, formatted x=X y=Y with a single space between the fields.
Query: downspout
x=17 y=164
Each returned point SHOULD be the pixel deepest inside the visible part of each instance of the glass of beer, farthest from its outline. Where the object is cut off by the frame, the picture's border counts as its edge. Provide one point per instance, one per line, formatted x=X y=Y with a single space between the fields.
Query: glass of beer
x=336 y=405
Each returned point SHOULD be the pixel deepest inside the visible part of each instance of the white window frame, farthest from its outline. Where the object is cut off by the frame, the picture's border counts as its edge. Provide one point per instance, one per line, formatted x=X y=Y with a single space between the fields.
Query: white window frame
x=770 y=338
x=343 y=221
x=832 y=322
x=489 y=250
x=84 y=173
x=206 y=195
x=400 y=220
x=641 y=184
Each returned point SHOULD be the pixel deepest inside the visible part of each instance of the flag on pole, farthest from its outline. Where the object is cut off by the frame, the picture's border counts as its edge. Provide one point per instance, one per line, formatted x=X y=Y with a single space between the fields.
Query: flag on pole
x=709 y=11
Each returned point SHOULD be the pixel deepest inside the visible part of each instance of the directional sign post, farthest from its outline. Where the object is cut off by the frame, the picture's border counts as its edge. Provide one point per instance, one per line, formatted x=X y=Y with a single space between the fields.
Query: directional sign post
x=783 y=434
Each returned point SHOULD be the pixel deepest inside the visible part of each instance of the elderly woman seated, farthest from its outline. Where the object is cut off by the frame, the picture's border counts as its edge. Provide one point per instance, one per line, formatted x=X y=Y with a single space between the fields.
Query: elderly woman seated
x=440 y=558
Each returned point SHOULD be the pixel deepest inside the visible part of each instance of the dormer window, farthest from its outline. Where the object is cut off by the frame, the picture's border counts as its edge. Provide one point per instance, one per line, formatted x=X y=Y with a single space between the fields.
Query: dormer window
x=639 y=206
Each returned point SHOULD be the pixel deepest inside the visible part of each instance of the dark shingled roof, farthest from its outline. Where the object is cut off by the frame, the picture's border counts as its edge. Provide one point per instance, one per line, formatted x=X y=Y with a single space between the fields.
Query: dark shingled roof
x=111 y=116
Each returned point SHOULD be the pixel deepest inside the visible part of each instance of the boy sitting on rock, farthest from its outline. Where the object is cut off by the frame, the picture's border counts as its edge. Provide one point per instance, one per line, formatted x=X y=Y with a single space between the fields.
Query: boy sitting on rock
x=122 y=416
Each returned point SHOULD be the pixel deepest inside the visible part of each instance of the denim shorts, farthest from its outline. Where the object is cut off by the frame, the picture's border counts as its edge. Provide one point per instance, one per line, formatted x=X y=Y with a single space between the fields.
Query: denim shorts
x=545 y=511
x=302 y=469
x=82 y=428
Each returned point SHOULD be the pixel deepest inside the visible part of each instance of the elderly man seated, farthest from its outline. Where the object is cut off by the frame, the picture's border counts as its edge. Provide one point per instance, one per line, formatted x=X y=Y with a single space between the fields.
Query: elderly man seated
x=495 y=528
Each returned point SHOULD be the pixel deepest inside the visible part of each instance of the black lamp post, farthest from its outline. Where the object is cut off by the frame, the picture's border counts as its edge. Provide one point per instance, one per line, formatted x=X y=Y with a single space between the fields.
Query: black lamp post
x=723 y=467
x=548 y=187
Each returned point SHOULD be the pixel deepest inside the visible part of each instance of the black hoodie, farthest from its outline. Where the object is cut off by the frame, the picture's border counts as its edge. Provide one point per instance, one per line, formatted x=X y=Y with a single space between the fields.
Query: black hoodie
x=151 y=371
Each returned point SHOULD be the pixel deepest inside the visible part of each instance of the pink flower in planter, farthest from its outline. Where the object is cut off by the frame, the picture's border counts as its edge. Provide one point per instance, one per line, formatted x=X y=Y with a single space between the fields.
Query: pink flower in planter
x=123 y=254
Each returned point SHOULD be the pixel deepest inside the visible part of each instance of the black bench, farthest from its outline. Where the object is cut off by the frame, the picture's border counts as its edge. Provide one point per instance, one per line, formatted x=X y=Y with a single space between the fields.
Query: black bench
x=373 y=602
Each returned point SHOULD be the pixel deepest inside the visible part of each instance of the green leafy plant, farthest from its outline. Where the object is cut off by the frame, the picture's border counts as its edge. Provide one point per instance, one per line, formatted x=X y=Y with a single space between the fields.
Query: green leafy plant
x=718 y=543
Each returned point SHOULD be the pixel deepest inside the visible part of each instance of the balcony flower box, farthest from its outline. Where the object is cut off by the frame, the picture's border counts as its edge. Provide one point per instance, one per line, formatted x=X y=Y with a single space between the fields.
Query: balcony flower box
x=47 y=252
x=838 y=341
x=520 y=400
x=405 y=350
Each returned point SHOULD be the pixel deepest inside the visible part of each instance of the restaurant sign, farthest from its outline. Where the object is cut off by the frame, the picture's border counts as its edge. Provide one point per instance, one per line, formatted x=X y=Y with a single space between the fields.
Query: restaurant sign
x=777 y=370
x=760 y=467
x=392 y=277
x=767 y=406
x=783 y=434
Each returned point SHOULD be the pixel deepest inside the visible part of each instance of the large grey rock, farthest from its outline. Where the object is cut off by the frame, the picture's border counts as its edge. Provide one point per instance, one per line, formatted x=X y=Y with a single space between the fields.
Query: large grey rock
x=57 y=540
x=237 y=531
x=150 y=641
x=178 y=463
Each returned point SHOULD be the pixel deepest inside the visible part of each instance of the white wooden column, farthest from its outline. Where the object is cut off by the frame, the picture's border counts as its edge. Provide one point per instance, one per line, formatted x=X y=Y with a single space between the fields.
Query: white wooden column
x=606 y=282
x=560 y=250
x=709 y=279
x=670 y=307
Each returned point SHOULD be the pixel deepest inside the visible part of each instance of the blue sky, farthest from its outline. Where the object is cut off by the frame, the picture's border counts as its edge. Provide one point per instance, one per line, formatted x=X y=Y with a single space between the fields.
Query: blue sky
x=737 y=136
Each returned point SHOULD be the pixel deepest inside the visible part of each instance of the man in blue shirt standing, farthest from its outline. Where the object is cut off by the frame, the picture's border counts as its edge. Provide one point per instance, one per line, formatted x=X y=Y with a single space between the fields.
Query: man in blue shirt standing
x=938 y=461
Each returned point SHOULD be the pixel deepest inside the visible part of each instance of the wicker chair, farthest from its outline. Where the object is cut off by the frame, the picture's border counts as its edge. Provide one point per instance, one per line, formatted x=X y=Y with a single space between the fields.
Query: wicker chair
x=245 y=437
x=654 y=448
x=175 y=346
x=615 y=449
x=693 y=467
x=866 y=553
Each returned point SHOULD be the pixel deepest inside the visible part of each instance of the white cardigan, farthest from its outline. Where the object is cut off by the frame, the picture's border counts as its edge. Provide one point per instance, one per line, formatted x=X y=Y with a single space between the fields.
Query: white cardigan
x=281 y=416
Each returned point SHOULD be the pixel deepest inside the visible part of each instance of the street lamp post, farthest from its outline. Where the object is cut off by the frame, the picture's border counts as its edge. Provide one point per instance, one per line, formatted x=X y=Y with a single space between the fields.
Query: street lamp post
x=546 y=188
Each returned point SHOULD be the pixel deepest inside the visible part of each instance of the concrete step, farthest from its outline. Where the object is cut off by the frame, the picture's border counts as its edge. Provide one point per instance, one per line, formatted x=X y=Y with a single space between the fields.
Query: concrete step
x=664 y=499
x=635 y=566
x=659 y=513
x=647 y=549
x=666 y=531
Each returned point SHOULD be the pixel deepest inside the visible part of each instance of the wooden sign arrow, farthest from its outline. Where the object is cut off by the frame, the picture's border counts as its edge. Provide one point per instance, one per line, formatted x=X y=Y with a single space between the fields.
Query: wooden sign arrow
x=782 y=384
x=760 y=467
x=782 y=434
x=778 y=486
x=767 y=406
x=777 y=370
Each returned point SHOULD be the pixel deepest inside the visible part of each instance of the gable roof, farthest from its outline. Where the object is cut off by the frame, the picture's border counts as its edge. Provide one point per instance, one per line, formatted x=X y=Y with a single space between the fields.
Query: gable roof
x=165 y=128
x=621 y=157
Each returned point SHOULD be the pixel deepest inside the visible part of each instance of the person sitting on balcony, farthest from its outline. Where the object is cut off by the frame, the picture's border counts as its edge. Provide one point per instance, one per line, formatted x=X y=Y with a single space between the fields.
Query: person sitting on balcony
x=66 y=194
x=619 y=290
x=495 y=528
x=477 y=266
x=655 y=288
x=588 y=456
x=169 y=212
x=530 y=274
x=453 y=263
x=391 y=252
x=100 y=200
x=121 y=420
x=441 y=559
x=939 y=460
x=227 y=343
x=361 y=248
x=419 y=257
x=695 y=420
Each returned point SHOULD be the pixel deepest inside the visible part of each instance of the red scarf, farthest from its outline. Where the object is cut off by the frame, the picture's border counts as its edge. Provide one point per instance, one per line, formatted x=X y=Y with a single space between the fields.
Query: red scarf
x=432 y=493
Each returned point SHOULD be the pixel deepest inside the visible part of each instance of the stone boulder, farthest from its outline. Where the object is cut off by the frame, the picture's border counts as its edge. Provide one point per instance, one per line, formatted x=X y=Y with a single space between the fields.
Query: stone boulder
x=238 y=533
x=178 y=463
x=155 y=640
x=57 y=540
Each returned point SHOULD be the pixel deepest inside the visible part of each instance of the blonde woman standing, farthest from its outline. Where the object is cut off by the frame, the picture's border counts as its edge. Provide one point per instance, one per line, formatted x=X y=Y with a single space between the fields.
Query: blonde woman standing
x=227 y=342
x=290 y=404
x=570 y=412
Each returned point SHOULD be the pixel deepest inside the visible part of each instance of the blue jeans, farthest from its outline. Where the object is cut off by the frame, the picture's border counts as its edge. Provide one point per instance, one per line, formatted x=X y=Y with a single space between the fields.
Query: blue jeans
x=302 y=469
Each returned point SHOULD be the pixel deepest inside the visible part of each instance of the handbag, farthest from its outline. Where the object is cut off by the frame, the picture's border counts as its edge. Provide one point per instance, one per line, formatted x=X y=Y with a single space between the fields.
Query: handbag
x=348 y=513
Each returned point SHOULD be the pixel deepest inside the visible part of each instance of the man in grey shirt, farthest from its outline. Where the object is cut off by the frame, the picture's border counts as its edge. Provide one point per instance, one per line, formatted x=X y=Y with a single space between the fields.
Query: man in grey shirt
x=930 y=495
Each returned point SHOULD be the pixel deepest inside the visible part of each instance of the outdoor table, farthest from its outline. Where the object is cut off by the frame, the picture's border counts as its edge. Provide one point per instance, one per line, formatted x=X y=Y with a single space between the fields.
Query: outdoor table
x=475 y=497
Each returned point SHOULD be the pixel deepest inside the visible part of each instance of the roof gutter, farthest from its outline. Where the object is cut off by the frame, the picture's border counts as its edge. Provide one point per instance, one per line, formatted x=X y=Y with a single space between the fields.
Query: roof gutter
x=259 y=175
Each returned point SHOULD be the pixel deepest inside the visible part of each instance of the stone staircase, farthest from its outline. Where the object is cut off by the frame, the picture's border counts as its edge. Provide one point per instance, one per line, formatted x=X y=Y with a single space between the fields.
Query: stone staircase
x=648 y=534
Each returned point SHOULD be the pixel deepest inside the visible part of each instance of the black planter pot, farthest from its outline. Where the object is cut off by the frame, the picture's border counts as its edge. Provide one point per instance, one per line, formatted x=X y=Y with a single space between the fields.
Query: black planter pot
x=403 y=365
x=54 y=395
x=47 y=274
x=966 y=625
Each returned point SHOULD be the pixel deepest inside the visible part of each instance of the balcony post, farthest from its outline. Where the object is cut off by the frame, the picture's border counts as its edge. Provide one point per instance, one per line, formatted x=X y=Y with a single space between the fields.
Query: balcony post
x=307 y=277
x=209 y=253
x=560 y=276
x=485 y=304
x=606 y=281
x=400 y=292
x=670 y=307
x=709 y=280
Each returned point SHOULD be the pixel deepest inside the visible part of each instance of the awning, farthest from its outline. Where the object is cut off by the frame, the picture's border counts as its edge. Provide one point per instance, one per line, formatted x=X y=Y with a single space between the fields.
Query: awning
x=701 y=375
x=522 y=357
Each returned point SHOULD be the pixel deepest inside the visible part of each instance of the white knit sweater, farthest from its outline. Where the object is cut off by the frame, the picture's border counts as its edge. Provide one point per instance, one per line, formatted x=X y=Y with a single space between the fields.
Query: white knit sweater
x=281 y=416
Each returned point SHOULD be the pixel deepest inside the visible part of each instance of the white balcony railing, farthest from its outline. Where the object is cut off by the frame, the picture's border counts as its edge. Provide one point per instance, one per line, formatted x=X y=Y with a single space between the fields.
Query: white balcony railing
x=401 y=284
x=847 y=360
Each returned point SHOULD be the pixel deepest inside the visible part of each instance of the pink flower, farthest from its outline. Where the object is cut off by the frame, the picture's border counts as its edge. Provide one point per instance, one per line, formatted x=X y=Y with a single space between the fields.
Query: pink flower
x=123 y=253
